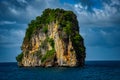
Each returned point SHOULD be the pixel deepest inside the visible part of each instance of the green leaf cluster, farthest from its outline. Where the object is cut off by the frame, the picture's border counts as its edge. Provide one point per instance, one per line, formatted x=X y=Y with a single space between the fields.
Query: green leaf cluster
x=51 y=42
x=45 y=29
x=77 y=38
x=68 y=28
x=49 y=54
x=78 y=43
x=19 y=57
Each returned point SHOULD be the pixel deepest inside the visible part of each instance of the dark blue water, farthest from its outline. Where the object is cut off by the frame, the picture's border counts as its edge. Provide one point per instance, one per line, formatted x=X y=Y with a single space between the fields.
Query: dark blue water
x=93 y=70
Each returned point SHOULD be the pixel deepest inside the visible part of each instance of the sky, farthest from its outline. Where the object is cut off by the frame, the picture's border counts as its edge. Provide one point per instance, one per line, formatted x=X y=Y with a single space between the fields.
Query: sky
x=99 y=22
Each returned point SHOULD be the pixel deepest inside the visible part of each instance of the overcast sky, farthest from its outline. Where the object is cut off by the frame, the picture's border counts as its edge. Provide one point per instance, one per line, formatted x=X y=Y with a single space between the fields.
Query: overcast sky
x=99 y=22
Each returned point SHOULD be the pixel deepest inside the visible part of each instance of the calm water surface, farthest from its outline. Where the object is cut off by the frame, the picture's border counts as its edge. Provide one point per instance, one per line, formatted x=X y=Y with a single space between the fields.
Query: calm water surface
x=93 y=70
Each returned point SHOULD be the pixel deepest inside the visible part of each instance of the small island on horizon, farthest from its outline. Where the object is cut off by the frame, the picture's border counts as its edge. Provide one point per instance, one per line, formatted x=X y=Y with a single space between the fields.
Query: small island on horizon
x=53 y=39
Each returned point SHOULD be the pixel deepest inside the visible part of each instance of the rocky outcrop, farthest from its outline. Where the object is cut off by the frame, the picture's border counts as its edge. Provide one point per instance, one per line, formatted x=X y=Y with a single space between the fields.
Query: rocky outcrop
x=53 y=39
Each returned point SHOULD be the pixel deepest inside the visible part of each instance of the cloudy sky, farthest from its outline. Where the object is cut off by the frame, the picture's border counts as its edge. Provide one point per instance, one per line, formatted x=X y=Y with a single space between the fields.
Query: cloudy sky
x=99 y=22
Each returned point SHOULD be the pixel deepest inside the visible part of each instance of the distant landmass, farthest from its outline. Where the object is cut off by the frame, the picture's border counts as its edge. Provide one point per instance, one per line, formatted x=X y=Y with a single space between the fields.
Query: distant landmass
x=53 y=39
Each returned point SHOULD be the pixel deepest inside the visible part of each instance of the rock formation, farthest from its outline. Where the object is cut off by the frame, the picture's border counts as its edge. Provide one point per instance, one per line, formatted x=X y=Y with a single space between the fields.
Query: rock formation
x=53 y=39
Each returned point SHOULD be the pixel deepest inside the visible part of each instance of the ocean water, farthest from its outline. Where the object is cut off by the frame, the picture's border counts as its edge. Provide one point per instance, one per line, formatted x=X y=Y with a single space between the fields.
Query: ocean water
x=93 y=70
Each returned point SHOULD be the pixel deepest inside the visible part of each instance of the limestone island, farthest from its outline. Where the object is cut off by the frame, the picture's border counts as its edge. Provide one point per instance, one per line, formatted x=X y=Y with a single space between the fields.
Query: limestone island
x=53 y=39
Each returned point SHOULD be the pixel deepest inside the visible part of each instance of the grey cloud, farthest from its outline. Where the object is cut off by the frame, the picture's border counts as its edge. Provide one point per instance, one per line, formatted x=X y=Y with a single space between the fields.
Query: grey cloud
x=13 y=37
x=87 y=3
x=100 y=36
x=23 y=11
x=7 y=22
x=107 y=15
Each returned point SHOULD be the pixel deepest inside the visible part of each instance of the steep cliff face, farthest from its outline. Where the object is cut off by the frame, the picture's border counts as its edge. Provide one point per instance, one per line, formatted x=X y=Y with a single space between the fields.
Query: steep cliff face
x=53 y=39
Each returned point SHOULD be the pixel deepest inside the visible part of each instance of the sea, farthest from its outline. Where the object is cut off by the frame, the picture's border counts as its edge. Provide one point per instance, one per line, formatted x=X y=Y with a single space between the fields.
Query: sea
x=93 y=70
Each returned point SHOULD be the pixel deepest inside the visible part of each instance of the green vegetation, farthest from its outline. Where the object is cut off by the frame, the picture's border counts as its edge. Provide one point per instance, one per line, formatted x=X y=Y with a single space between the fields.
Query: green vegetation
x=45 y=29
x=50 y=15
x=51 y=41
x=77 y=38
x=19 y=57
x=49 y=54
x=82 y=49
x=68 y=28
x=78 y=43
